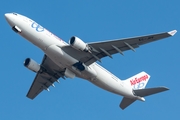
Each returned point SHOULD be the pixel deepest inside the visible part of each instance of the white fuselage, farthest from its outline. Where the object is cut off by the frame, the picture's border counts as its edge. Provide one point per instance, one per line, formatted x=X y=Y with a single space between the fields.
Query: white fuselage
x=51 y=45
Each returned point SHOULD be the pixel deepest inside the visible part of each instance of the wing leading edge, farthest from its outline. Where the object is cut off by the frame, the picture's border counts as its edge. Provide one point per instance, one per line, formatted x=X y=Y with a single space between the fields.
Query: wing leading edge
x=45 y=78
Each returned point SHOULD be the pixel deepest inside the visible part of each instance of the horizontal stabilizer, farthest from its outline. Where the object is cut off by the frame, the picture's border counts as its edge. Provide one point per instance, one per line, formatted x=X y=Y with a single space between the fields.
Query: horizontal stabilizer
x=149 y=91
x=126 y=102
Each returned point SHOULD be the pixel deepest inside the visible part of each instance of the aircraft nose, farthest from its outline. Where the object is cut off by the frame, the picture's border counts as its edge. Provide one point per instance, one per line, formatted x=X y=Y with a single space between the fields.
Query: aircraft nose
x=9 y=18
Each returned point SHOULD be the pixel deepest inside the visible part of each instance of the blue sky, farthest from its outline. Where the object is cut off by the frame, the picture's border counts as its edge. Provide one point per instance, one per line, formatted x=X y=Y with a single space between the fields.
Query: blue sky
x=94 y=20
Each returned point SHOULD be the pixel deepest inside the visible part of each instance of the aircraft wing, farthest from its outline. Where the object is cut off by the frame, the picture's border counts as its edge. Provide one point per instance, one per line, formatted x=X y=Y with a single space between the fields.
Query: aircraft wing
x=107 y=48
x=46 y=77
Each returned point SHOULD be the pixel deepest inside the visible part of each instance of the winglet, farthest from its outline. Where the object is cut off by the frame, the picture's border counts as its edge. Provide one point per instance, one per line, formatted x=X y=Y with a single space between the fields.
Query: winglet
x=172 y=33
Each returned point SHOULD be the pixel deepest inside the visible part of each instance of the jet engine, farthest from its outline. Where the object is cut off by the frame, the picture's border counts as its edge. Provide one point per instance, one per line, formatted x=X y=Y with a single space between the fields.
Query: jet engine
x=78 y=44
x=32 y=65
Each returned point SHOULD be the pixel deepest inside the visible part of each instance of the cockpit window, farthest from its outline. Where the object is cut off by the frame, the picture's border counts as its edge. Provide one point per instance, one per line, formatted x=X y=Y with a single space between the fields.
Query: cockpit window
x=14 y=13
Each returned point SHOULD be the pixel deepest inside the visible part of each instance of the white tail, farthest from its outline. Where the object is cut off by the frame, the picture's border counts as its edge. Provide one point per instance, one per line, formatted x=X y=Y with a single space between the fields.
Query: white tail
x=138 y=81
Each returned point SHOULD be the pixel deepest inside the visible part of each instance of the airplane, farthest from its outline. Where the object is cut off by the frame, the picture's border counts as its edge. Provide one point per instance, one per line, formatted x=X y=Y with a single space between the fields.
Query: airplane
x=80 y=59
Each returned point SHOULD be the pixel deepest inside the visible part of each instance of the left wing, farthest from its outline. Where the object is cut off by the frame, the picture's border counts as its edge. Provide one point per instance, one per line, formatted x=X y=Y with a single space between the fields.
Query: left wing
x=48 y=74
x=108 y=48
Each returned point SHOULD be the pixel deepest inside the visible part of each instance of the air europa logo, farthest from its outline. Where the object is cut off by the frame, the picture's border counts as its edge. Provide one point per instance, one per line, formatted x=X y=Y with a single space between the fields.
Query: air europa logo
x=138 y=80
x=38 y=27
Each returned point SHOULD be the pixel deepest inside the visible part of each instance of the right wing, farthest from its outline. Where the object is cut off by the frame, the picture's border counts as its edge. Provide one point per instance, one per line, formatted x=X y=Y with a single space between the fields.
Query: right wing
x=45 y=78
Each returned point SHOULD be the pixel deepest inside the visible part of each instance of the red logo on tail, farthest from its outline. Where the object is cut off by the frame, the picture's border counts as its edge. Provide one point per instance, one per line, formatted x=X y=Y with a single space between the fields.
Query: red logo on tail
x=138 y=80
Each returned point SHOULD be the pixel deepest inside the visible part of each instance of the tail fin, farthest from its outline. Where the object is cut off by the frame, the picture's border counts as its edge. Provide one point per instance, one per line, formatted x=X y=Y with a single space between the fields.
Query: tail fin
x=138 y=81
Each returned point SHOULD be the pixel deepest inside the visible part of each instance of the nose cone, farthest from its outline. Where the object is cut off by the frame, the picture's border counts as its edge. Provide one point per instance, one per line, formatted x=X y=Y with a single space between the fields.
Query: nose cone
x=6 y=14
x=9 y=18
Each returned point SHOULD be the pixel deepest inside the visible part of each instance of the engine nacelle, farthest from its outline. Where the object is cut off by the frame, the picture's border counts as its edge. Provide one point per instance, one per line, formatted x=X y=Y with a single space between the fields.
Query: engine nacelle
x=32 y=65
x=78 y=44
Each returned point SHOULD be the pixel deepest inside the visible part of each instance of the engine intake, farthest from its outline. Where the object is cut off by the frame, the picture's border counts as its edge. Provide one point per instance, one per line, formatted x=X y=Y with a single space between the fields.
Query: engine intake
x=78 y=44
x=16 y=29
x=32 y=65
